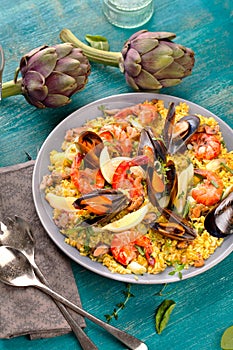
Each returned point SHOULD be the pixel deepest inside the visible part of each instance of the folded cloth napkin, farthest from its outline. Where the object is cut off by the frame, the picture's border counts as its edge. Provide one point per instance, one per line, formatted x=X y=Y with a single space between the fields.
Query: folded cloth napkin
x=28 y=311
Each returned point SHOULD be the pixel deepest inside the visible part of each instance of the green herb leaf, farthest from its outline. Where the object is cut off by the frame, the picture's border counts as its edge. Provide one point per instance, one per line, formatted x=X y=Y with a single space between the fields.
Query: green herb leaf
x=186 y=209
x=214 y=183
x=98 y=42
x=163 y=314
x=108 y=318
x=227 y=167
x=227 y=339
x=177 y=269
x=120 y=305
x=172 y=273
x=180 y=275
x=140 y=250
x=181 y=195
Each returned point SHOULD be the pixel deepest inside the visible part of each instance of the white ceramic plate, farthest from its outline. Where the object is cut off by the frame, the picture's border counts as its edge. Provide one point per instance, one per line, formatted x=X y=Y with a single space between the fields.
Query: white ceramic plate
x=44 y=210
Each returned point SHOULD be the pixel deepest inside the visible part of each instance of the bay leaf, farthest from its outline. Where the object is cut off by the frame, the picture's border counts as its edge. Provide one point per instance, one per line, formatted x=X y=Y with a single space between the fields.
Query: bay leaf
x=163 y=313
x=227 y=339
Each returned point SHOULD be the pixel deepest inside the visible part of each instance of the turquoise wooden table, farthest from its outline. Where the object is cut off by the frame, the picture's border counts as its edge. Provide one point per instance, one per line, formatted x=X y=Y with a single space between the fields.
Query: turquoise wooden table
x=204 y=307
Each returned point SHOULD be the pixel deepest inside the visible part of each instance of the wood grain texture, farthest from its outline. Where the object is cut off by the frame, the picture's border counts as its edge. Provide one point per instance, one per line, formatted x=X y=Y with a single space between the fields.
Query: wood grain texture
x=204 y=303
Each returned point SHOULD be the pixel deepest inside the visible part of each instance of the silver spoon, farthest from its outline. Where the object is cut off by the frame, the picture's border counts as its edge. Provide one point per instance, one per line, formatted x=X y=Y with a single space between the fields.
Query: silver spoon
x=16 y=270
x=18 y=234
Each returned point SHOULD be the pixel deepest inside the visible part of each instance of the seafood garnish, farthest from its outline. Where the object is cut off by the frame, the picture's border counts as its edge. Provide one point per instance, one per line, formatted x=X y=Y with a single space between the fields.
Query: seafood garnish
x=182 y=132
x=126 y=180
x=168 y=126
x=161 y=173
x=146 y=112
x=151 y=145
x=219 y=221
x=86 y=180
x=206 y=146
x=210 y=190
x=176 y=227
x=177 y=135
x=90 y=145
x=125 y=247
x=102 y=202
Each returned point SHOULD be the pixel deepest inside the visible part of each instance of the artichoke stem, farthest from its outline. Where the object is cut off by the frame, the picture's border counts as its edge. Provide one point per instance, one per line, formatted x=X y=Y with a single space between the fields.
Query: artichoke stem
x=10 y=88
x=107 y=58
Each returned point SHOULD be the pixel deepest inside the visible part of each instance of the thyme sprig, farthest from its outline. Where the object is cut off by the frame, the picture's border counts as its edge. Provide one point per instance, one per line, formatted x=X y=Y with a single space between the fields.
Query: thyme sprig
x=120 y=306
x=177 y=269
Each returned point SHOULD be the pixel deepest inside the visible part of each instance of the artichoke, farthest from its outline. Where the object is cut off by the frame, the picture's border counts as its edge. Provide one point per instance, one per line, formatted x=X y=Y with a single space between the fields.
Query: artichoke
x=50 y=75
x=149 y=60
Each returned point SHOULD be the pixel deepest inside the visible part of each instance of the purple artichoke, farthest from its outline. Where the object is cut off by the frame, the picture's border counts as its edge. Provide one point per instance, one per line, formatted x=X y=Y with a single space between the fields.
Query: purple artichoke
x=152 y=61
x=50 y=75
x=149 y=60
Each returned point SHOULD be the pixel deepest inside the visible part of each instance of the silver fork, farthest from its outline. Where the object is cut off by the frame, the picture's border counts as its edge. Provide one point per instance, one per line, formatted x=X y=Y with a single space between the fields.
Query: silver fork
x=2 y=63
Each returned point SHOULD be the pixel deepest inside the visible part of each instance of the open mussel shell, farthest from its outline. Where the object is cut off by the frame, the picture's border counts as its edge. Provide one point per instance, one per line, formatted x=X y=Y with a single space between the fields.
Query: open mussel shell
x=102 y=201
x=88 y=140
x=162 y=191
x=169 y=125
x=176 y=227
x=219 y=221
x=91 y=145
x=172 y=230
x=148 y=141
x=182 y=132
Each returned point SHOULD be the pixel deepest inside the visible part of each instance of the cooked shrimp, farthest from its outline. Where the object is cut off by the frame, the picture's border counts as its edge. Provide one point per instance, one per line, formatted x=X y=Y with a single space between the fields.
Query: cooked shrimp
x=206 y=146
x=210 y=191
x=120 y=136
x=146 y=112
x=71 y=134
x=145 y=243
x=124 y=247
x=85 y=180
x=124 y=179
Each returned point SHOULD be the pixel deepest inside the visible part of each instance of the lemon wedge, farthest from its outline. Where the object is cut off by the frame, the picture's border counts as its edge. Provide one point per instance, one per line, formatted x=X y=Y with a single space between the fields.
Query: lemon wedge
x=184 y=179
x=108 y=166
x=61 y=203
x=128 y=221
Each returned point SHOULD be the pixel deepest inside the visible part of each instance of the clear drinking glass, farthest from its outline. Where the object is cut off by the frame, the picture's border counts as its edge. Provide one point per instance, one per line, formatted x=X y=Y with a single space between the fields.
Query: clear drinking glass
x=128 y=13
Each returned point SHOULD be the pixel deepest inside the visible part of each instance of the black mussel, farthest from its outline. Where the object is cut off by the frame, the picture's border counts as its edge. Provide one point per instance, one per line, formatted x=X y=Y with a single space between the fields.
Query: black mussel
x=171 y=230
x=155 y=185
x=151 y=146
x=219 y=221
x=88 y=140
x=102 y=201
x=171 y=216
x=171 y=183
x=162 y=184
x=150 y=217
x=168 y=125
x=182 y=131
x=91 y=145
x=176 y=226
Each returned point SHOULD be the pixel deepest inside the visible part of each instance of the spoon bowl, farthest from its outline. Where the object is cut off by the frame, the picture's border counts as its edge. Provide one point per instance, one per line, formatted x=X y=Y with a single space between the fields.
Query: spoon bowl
x=18 y=234
x=16 y=270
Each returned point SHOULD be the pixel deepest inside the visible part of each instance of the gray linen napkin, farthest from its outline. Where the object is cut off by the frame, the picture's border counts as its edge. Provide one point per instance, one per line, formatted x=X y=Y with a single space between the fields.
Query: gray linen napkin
x=28 y=311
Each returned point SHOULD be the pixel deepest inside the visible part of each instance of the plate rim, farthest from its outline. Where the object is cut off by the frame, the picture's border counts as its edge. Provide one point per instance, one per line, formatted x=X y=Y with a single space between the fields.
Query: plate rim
x=73 y=253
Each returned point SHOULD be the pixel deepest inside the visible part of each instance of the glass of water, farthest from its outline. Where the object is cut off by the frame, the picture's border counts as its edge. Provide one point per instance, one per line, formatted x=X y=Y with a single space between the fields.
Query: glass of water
x=128 y=13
